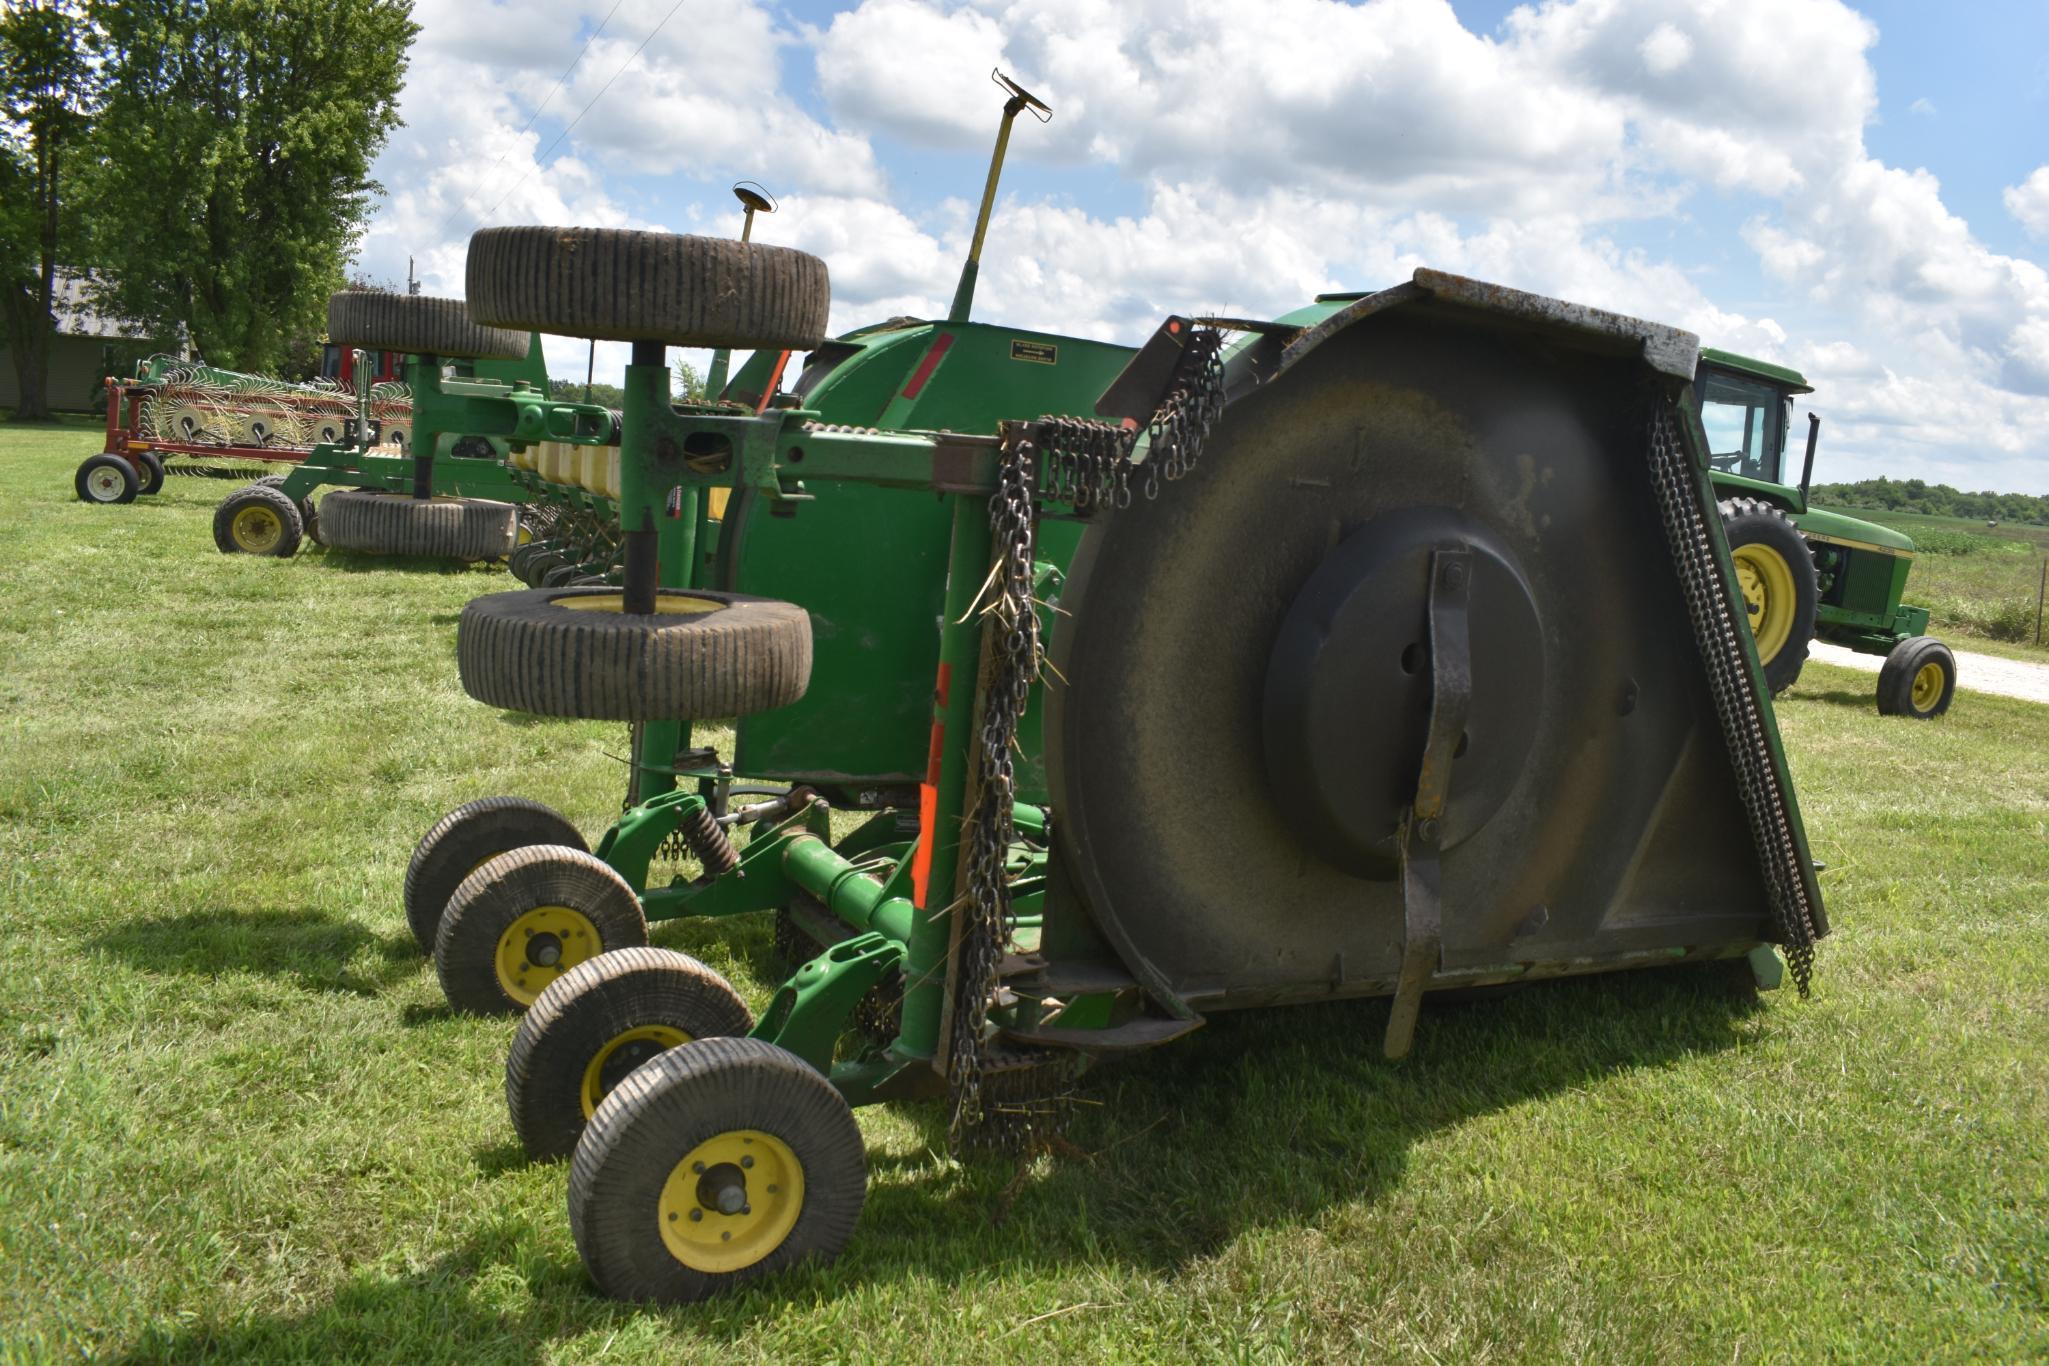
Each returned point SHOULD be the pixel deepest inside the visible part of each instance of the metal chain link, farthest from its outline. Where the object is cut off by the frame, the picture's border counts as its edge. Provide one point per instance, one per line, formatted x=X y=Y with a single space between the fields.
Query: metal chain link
x=1088 y=465
x=1715 y=624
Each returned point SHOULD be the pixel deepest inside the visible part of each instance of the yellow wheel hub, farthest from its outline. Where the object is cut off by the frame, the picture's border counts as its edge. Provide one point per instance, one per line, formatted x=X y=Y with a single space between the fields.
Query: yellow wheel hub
x=620 y=1056
x=257 y=529
x=731 y=1201
x=540 y=946
x=666 y=604
x=1927 y=686
x=1768 y=597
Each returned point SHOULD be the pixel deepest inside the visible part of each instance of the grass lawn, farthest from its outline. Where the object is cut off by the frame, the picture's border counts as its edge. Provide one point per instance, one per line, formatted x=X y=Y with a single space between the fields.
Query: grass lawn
x=236 y=1120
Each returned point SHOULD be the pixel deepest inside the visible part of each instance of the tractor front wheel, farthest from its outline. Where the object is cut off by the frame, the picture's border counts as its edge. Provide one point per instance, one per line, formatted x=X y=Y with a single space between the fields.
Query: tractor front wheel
x=257 y=520
x=1919 y=679
x=718 y=1162
x=524 y=919
x=596 y=1025
x=106 y=479
x=465 y=840
x=1775 y=573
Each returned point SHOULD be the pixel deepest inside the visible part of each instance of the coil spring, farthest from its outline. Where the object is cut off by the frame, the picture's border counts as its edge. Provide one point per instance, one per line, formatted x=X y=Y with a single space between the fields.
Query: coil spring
x=709 y=841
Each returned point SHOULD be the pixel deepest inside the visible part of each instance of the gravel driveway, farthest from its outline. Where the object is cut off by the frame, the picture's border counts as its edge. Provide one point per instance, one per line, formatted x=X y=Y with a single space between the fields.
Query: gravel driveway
x=1975 y=672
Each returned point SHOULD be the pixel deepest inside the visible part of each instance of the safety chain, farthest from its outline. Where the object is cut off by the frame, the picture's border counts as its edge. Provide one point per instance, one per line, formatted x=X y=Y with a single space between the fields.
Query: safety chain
x=1089 y=464
x=1012 y=630
x=1715 y=624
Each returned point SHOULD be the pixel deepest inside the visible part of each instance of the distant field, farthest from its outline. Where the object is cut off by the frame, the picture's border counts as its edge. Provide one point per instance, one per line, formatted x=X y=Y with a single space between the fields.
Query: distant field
x=1978 y=582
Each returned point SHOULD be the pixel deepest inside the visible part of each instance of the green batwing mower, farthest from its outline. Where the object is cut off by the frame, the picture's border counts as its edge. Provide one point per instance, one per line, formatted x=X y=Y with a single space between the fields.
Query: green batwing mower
x=1396 y=653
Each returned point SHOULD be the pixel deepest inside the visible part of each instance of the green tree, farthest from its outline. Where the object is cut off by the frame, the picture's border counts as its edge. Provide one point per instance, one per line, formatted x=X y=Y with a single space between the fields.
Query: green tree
x=47 y=89
x=235 y=147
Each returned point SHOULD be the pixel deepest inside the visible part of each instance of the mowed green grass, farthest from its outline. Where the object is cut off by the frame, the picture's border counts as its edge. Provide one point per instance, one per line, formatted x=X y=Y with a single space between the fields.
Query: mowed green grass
x=236 y=1120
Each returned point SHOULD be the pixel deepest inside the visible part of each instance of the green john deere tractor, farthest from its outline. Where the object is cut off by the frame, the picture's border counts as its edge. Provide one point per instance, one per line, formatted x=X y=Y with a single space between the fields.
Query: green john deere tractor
x=1806 y=572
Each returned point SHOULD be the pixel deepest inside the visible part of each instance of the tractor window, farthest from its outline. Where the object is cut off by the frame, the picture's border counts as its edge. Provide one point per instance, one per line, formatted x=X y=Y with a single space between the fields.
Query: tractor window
x=1745 y=425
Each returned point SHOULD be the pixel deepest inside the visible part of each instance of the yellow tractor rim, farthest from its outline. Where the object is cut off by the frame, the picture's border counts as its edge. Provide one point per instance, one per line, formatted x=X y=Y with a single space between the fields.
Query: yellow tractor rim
x=666 y=604
x=1768 y=597
x=256 y=530
x=635 y=1046
x=1927 y=686
x=540 y=946
x=731 y=1201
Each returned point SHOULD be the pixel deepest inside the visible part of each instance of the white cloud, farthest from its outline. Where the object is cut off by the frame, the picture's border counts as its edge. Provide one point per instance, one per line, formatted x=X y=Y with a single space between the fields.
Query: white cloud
x=1666 y=50
x=1268 y=152
x=2028 y=202
x=1923 y=106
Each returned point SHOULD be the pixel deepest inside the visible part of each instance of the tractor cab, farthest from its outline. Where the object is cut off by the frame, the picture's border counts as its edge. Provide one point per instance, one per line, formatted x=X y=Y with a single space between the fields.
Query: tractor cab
x=1746 y=411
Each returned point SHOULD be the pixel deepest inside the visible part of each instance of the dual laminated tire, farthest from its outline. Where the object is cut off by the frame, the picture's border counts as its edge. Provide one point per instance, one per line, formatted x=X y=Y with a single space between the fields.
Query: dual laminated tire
x=441 y=528
x=575 y=652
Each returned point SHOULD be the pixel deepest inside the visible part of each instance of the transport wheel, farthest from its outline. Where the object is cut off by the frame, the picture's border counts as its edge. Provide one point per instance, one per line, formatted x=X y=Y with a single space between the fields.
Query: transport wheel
x=257 y=520
x=465 y=840
x=525 y=918
x=1918 y=680
x=152 y=477
x=395 y=524
x=626 y=285
x=106 y=479
x=1775 y=571
x=416 y=324
x=717 y=1162
x=595 y=1025
x=575 y=652
x=309 y=516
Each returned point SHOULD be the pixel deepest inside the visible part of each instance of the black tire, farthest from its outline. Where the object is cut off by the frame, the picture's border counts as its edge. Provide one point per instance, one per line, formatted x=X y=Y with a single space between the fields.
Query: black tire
x=562 y=575
x=596 y=1025
x=417 y=325
x=105 y=479
x=463 y=841
x=1771 y=556
x=538 y=652
x=258 y=519
x=547 y=907
x=626 y=285
x=536 y=566
x=151 y=479
x=1919 y=679
x=710 y=1092
x=395 y=524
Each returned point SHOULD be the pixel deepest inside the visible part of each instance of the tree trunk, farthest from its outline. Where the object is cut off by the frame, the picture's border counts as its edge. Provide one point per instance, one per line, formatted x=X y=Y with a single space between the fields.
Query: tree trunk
x=30 y=323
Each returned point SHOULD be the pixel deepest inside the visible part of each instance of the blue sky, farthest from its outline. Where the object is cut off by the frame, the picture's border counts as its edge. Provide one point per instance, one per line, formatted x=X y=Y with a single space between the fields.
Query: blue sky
x=1859 y=191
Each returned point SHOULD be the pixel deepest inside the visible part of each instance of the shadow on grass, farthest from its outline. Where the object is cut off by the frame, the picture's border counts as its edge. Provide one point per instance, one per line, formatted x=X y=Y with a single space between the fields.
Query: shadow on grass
x=1861 y=701
x=1261 y=1120
x=319 y=951
x=362 y=562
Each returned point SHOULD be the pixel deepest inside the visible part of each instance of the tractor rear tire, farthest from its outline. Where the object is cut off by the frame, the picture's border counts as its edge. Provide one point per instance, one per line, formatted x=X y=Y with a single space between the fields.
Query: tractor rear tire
x=574 y=652
x=596 y=1025
x=396 y=524
x=624 y=285
x=152 y=477
x=417 y=325
x=1919 y=679
x=258 y=520
x=637 y=1196
x=465 y=840
x=106 y=479
x=1779 y=587
x=525 y=918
